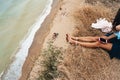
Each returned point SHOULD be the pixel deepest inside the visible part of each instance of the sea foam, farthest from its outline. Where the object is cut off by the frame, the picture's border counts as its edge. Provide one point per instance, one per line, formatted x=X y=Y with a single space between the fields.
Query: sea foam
x=15 y=69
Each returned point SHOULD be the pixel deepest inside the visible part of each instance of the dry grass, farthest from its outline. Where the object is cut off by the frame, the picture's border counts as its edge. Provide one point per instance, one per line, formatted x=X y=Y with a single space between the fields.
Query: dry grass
x=51 y=56
x=88 y=14
x=82 y=63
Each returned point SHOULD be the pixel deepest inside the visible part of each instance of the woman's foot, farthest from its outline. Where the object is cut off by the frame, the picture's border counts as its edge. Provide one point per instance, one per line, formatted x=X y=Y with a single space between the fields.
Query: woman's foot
x=70 y=40
x=67 y=38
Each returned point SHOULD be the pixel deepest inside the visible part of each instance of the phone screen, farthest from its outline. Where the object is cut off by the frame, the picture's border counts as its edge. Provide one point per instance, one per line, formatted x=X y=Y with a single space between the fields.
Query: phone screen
x=103 y=40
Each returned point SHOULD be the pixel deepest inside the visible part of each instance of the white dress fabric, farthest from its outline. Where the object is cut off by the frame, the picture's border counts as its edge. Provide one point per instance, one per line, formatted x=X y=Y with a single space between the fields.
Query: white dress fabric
x=102 y=24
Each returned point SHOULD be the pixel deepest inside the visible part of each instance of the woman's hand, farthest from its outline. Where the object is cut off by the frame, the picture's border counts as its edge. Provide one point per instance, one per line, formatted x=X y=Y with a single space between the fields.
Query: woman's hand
x=118 y=27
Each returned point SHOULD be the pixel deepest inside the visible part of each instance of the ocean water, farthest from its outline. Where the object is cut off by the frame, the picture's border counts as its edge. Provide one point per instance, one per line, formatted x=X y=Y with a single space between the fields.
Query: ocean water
x=19 y=20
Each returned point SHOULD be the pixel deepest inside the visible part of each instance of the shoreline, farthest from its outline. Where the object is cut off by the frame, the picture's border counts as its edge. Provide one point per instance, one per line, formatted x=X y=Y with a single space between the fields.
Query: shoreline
x=15 y=67
x=59 y=20
x=36 y=47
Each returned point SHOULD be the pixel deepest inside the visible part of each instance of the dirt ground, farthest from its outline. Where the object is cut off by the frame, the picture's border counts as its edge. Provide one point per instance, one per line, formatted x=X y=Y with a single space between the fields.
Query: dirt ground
x=80 y=63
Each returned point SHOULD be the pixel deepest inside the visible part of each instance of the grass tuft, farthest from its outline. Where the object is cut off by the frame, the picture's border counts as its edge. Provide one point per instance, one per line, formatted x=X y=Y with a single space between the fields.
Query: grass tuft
x=51 y=55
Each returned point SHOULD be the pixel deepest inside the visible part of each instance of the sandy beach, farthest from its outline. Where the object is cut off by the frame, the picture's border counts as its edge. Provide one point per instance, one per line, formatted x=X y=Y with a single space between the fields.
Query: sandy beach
x=38 y=41
x=60 y=20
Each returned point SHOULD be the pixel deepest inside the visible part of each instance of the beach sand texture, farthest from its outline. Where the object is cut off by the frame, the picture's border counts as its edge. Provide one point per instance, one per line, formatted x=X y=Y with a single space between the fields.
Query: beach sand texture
x=79 y=63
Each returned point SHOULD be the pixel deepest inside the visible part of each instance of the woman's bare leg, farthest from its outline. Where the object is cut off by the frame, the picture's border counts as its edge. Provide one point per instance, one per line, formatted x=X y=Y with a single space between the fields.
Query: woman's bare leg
x=87 y=39
x=107 y=46
x=96 y=44
x=85 y=44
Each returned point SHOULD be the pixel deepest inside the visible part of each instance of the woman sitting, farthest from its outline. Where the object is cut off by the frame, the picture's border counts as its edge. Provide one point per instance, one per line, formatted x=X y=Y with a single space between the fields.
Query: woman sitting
x=109 y=42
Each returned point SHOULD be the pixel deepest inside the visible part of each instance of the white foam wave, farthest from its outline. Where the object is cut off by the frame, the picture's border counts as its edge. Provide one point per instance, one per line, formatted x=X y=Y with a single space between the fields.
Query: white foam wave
x=15 y=69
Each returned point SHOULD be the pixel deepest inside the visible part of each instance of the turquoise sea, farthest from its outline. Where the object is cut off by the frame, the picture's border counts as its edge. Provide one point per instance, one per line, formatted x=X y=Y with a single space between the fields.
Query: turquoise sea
x=19 y=20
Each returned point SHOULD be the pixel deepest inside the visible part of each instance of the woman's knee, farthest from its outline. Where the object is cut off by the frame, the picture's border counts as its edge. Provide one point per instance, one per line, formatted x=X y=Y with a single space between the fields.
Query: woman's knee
x=107 y=46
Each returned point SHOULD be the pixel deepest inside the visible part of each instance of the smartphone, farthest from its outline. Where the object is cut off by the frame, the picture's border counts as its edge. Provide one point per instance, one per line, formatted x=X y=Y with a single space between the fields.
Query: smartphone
x=103 y=40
